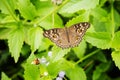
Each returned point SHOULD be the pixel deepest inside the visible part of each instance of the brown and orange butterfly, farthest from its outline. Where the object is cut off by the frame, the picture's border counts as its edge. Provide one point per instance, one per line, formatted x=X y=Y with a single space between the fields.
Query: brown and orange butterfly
x=67 y=37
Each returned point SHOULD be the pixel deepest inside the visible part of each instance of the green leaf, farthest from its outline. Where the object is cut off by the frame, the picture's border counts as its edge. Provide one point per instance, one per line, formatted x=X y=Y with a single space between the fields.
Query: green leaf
x=8 y=6
x=102 y=2
x=76 y=5
x=35 y=38
x=81 y=18
x=5 y=77
x=58 y=53
x=48 y=22
x=101 y=17
x=2 y=16
x=43 y=70
x=97 y=26
x=101 y=20
x=15 y=42
x=27 y=12
x=4 y=33
x=116 y=18
x=43 y=7
x=25 y=50
x=100 y=14
x=116 y=58
x=76 y=73
x=80 y=50
x=100 y=69
x=116 y=40
x=46 y=43
x=99 y=39
x=9 y=20
x=55 y=67
x=101 y=57
x=31 y=72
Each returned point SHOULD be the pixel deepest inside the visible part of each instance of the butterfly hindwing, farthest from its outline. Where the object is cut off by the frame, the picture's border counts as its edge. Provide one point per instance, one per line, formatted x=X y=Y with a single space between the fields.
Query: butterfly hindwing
x=76 y=32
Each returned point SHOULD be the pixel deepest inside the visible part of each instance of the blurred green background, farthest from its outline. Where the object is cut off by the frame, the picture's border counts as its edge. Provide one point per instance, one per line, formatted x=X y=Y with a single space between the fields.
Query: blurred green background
x=22 y=23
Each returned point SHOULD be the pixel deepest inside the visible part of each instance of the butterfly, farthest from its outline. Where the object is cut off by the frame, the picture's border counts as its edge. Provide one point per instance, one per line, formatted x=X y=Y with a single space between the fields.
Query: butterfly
x=67 y=37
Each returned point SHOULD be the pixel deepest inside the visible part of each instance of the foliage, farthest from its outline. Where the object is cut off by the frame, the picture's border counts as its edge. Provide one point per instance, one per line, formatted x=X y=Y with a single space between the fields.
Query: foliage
x=22 y=23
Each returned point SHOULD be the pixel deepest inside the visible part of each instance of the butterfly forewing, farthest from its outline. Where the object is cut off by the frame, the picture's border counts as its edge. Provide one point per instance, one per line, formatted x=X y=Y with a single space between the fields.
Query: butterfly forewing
x=76 y=32
x=58 y=36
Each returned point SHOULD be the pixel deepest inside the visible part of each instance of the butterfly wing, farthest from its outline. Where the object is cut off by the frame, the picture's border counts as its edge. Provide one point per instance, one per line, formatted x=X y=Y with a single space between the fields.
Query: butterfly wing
x=58 y=36
x=76 y=32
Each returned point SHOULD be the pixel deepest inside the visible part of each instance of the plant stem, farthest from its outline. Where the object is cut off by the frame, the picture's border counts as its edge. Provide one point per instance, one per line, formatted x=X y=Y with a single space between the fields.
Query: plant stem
x=53 y=19
x=91 y=62
x=56 y=8
x=112 y=18
x=87 y=56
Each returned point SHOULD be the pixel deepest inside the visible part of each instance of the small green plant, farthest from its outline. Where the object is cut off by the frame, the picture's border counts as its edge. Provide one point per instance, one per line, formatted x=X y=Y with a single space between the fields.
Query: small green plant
x=22 y=23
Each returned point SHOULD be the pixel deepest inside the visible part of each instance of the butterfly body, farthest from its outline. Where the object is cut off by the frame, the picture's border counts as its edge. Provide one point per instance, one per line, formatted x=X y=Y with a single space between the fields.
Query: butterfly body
x=68 y=36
